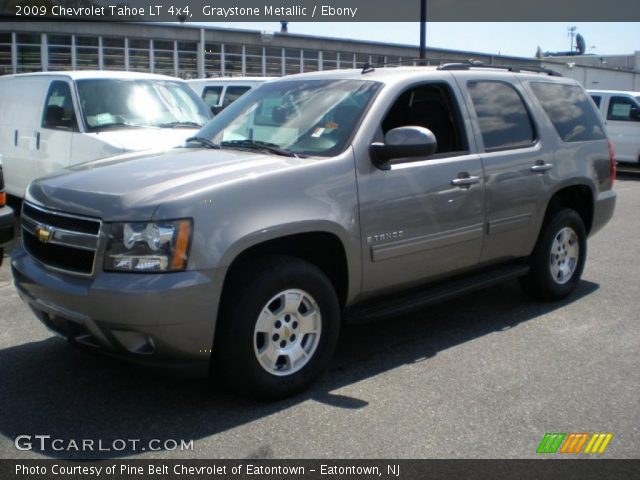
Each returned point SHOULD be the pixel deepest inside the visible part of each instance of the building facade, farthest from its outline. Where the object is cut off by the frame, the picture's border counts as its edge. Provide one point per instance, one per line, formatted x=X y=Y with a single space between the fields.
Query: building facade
x=190 y=51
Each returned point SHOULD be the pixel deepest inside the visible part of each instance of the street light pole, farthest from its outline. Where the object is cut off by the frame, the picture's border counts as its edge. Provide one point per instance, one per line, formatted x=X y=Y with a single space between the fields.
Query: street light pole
x=423 y=31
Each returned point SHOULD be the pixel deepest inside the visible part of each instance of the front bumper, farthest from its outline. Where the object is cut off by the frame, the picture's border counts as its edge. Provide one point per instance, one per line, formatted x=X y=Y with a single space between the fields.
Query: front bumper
x=159 y=319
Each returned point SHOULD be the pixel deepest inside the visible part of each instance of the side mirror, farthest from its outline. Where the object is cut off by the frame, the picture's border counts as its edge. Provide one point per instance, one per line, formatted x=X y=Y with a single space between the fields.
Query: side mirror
x=635 y=113
x=403 y=144
x=216 y=109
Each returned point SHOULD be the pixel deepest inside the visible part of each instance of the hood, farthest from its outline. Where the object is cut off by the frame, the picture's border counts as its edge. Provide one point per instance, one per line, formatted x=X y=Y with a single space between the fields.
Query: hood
x=130 y=187
x=138 y=139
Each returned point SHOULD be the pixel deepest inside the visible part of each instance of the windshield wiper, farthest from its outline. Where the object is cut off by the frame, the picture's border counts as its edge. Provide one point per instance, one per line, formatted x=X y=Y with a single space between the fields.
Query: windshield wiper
x=257 y=145
x=179 y=124
x=203 y=141
x=107 y=126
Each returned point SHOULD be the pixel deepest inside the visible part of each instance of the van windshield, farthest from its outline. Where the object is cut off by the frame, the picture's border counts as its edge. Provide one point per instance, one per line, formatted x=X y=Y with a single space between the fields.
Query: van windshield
x=298 y=117
x=122 y=103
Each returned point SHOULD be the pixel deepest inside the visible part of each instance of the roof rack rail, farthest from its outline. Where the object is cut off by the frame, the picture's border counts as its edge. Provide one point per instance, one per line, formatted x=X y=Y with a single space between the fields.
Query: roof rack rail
x=511 y=68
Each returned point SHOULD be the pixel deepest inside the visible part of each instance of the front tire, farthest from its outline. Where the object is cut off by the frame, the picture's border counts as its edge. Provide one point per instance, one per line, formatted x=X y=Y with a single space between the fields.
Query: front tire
x=558 y=258
x=280 y=321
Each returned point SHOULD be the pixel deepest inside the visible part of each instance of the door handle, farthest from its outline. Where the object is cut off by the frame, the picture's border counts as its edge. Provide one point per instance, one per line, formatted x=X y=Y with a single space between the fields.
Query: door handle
x=15 y=138
x=541 y=167
x=465 y=181
x=37 y=140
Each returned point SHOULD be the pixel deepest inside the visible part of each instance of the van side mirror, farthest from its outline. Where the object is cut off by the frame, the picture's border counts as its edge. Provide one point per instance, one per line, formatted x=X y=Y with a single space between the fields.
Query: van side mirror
x=635 y=113
x=403 y=144
x=216 y=109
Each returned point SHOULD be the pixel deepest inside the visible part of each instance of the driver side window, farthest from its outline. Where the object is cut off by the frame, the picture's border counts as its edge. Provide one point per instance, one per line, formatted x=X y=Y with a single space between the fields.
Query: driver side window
x=430 y=106
x=59 y=113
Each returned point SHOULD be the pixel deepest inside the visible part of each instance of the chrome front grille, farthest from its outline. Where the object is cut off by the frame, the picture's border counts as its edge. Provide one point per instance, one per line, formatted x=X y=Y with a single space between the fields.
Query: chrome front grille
x=59 y=240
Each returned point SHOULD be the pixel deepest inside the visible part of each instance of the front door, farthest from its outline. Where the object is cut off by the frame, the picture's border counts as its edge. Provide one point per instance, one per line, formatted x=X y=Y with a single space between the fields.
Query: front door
x=424 y=218
x=59 y=125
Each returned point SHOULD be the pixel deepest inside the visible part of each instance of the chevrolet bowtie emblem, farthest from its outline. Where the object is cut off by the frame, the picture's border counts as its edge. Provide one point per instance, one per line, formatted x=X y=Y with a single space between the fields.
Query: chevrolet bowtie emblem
x=44 y=233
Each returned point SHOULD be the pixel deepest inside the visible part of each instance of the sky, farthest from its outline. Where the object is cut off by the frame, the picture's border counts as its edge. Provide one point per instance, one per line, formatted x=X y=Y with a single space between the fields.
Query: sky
x=519 y=39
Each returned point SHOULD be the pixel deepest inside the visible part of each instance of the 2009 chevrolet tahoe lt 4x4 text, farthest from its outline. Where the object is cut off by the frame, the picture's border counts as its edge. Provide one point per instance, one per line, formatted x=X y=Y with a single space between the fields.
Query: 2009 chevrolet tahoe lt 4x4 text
x=312 y=198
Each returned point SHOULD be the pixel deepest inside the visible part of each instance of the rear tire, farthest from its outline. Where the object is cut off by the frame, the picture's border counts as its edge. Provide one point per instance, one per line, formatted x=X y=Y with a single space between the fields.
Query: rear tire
x=279 y=325
x=558 y=258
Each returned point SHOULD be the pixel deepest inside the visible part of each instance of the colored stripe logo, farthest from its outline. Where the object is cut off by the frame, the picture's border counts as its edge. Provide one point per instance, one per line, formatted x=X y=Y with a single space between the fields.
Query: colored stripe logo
x=573 y=443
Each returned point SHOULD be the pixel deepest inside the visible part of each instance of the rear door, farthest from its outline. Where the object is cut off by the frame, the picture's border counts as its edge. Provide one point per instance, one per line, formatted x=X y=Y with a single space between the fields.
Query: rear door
x=515 y=162
x=19 y=129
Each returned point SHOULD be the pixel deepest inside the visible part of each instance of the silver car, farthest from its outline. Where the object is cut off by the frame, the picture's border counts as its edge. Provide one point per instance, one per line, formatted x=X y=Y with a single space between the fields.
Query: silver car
x=314 y=199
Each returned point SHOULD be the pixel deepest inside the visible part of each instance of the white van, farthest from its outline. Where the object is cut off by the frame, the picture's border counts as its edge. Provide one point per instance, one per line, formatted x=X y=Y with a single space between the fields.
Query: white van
x=218 y=93
x=621 y=113
x=51 y=120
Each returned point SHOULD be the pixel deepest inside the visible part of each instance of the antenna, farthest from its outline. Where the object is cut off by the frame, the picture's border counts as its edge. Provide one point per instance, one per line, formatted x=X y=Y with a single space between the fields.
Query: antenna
x=572 y=33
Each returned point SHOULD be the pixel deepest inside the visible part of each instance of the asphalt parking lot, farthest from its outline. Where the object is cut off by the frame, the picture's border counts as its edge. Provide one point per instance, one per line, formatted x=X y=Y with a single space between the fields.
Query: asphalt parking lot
x=486 y=375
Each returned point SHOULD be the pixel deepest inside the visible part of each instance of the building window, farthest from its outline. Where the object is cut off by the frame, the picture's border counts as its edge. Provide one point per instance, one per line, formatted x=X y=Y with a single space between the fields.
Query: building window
x=59 y=49
x=311 y=61
x=329 y=60
x=232 y=60
x=163 y=57
x=87 y=53
x=6 y=67
x=361 y=59
x=113 y=53
x=139 y=60
x=292 y=61
x=253 y=61
x=346 y=60
x=29 y=53
x=187 y=59
x=212 y=60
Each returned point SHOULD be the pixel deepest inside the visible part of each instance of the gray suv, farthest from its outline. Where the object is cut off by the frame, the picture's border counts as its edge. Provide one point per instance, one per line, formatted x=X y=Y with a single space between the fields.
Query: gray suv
x=313 y=199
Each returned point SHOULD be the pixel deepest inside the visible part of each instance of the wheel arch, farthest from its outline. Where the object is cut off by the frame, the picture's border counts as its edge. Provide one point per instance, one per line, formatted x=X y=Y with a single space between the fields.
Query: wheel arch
x=326 y=246
x=579 y=197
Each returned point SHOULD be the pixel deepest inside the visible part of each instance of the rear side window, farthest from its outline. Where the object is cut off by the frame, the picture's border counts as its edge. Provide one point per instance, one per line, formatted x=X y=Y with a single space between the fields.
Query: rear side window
x=620 y=108
x=503 y=117
x=572 y=113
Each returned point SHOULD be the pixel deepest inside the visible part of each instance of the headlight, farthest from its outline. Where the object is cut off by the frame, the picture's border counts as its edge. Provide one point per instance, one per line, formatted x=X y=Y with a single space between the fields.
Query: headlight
x=148 y=247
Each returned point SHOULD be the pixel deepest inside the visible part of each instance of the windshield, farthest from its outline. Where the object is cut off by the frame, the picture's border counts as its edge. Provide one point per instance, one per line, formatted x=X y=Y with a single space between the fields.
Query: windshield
x=300 y=117
x=118 y=103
